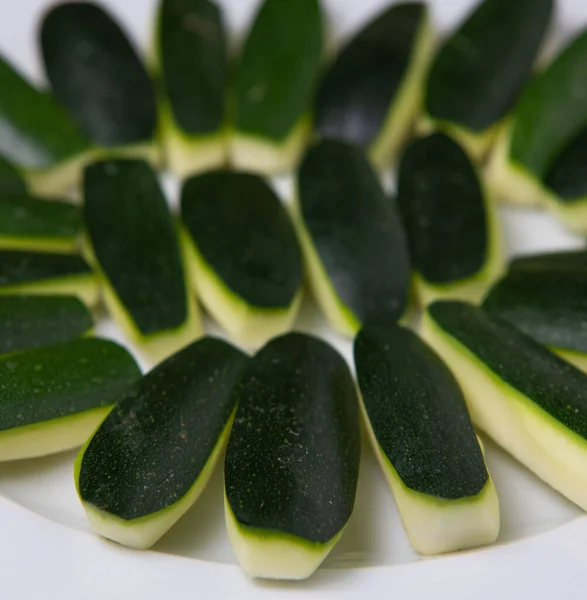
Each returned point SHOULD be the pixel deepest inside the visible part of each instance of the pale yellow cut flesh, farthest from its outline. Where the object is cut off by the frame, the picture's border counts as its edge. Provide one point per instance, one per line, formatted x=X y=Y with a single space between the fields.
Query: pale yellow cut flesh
x=38 y=244
x=572 y=215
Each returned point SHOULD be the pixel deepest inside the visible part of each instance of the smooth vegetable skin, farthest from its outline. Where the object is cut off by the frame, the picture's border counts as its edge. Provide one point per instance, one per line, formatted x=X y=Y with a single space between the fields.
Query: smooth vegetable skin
x=153 y=455
x=422 y=434
x=243 y=254
x=12 y=182
x=352 y=237
x=133 y=240
x=276 y=77
x=192 y=62
x=557 y=261
x=28 y=322
x=54 y=397
x=97 y=75
x=474 y=81
x=372 y=92
x=528 y=399
x=451 y=226
x=292 y=460
x=43 y=273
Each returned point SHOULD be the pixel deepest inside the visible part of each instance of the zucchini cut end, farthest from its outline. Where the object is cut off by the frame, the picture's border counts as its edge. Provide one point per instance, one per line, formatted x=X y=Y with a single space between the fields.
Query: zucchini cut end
x=573 y=215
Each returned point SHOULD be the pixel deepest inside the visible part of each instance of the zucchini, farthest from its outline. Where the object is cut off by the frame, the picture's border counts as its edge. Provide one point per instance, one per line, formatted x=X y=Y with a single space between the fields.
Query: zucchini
x=451 y=226
x=292 y=459
x=422 y=435
x=138 y=260
x=54 y=397
x=43 y=273
x=12 y=183
x=150 y=459
x=528 y=399
x=31 y=223
x=354 y=245
x=373 y=91
x=96 y=74
x=192 y=62
x=474 y=81
x=275 y=82
x=243 y=254
x=28 y=322
x=559 y=261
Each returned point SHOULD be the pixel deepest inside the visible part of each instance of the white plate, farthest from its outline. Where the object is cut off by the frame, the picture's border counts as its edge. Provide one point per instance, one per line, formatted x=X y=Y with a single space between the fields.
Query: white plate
x=47 y=551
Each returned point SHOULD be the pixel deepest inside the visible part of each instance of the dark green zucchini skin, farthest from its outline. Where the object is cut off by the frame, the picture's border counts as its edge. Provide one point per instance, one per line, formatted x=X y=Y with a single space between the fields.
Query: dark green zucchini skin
x=279 y=67
x=519 y=361
x=355 y=229
x=359 y=88
x=293 y=455
x=441 y=201
x=64 y=379
x=151 y=448
x=551 y=261
x=418 y=413
x=476 y=80
x=97 y=75
x=11 y=182
x=28 y=322
x=245 y=235
x=194 y=63
x=134 y=239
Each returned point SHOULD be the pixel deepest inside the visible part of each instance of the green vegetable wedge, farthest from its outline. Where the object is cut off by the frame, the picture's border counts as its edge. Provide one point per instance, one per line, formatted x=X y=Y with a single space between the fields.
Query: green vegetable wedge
x=132 y=239
x=292 y=459
x=12 y=183
x=54 y=397
x=560 y=261
x=422 y=435
x=243 y=254
x=192 y=62
x=276 y=77
x=528 y=399
x=153 y=455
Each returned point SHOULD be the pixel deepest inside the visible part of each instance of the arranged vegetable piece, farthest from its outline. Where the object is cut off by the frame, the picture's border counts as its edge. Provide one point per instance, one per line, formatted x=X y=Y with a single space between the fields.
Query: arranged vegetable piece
x=372 y=92
x=551 y=113
x=560 y=261
x=133 y=241
x=54 y=397
x=192 y=62
x=153 y=455
x=28 y=322
x=43 y=273
x=41 y=140
x=12 y=182
x=451 y=226
x=243 y=254
x=293 y=458
x=422 y=435
x=474 y=82
x=528 y=399
x=354 y=245
x=97 y=75
x=275 y=81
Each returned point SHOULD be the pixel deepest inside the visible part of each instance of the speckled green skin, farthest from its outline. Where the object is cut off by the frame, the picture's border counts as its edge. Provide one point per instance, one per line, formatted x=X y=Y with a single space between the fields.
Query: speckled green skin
x=28 y=322
x=57 y=381
x=151 y=448
x=418 y=413
x=520 y=362
x=135 y=242
x=550 y=261
x=11 y=182
x=293 y=455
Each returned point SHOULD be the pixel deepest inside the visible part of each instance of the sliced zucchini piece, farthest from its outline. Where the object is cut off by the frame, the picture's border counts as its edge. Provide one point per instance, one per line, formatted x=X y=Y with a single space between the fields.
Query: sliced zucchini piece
x=373 y=91
x=28 y=322
x=422 y=435
x=31 y=223
x=474 y=81
x=12 y=182
x=243 y=254
x=43 y=273
x=275 y=82
x=452 y=228
x=354 y=245
x=97 y=75
x=192 y=62
x=54 y=397
x=133 y=241
x=528 y=399
x=292 y=460
x=153 y=455
x=560 y=261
